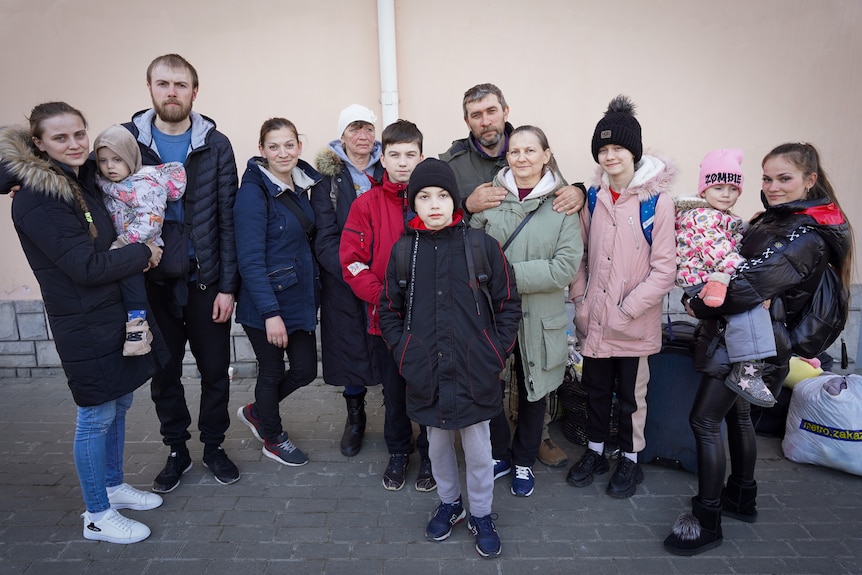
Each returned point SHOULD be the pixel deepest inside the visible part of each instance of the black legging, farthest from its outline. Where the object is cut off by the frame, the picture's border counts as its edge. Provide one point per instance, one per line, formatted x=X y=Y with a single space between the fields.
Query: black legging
x=716 y=402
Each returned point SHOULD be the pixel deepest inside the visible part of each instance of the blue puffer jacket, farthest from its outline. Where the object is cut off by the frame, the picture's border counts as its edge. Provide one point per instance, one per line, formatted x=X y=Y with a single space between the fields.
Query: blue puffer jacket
x=278 y=270
x=210 y=193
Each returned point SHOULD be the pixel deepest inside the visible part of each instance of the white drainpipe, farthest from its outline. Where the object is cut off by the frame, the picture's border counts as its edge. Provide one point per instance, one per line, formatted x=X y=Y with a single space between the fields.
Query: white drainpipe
x=388 y=62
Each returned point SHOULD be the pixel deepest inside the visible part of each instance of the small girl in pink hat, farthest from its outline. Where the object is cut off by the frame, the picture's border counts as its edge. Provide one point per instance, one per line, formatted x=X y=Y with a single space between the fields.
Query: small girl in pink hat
x=707 y=234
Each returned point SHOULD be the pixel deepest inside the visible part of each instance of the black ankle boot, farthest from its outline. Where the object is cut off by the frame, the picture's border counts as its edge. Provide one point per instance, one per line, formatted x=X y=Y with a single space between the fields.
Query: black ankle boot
x=739 y=500
x=695 y=532
x=354 y=428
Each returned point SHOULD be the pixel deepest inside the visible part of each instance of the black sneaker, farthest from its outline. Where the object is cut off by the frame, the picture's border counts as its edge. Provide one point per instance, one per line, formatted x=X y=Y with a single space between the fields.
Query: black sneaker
x=393 y=477
x=169 y=478
x=625 y=479
x=487 y=540
x=591 y=463
x=425 y=481
x=223 y=468
x=446 y=516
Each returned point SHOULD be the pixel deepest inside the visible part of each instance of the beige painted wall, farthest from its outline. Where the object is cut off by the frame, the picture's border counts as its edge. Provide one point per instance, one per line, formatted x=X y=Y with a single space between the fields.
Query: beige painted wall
x=741 y=73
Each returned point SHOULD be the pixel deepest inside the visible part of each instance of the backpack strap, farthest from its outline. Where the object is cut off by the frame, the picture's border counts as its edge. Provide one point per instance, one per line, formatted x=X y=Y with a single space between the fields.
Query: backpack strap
x=519 y=228
x=291 y=204
x=478 y=268
x=647 y=211
x=402 y=261
x=592 y=195
x=648 y=216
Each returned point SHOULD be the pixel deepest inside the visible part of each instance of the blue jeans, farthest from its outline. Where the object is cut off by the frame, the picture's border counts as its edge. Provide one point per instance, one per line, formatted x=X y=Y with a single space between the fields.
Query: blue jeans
x=100 y=434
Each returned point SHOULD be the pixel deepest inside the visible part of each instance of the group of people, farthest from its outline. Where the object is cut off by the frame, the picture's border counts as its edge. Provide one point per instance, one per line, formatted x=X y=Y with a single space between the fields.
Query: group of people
x=433 y=278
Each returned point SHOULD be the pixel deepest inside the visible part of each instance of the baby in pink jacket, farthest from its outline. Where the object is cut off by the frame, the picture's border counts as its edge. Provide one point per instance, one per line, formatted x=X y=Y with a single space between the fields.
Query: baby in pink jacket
x=136 y=197
x=707 y=236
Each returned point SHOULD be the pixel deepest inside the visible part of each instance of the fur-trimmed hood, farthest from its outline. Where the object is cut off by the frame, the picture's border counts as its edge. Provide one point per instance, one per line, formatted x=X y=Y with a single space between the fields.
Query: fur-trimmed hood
x=653 y=175
x=327 y=162
x=22 y=165
x=685 y=203
x=330 y=160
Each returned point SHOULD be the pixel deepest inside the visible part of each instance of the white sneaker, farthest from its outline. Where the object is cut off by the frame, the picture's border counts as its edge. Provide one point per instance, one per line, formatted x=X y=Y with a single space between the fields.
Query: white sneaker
x=127 y=497
x=114 y=528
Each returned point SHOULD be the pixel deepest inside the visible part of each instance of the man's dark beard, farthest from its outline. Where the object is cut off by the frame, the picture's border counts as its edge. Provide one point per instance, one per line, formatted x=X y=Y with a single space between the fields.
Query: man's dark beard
x=172 y=114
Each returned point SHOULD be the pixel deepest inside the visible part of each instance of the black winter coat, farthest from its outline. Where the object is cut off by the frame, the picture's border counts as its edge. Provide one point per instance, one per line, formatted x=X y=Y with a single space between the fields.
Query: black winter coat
x=346 y=345
x=784 y=264
x=449 y=347
x=210 y=194
x=77 y=275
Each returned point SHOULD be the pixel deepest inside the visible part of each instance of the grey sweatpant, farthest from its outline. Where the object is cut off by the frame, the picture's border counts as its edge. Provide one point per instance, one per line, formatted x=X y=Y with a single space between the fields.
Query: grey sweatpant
x=476 y=442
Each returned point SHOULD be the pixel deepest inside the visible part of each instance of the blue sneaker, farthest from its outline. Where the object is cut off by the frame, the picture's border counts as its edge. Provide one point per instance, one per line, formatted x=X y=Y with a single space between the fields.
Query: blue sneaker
x=284 y=451
x=487 y=540
x=445 y=518
x=523 y=481
x=501 y=467
x=246 y=415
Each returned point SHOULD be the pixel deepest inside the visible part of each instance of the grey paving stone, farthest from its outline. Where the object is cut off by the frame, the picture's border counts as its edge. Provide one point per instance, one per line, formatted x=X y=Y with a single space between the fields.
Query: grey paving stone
x=321 y=517
x=13 y=567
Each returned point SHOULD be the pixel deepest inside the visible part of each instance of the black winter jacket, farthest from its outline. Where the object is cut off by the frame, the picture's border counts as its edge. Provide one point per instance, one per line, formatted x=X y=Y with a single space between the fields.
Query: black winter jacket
x=210 y=195
x=77 y=274
x=787 y=248
x=449 y=347
x=346 y=346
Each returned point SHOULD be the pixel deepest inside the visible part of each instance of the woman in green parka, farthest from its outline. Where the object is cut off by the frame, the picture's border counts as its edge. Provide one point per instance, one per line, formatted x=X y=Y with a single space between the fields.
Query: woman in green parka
x=545 y=254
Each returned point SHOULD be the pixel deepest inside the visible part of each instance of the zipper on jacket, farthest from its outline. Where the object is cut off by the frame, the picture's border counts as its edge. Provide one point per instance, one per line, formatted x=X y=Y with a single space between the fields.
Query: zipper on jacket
x=201 y=286
x=360 y=234
x=634 y=234
x=622 y=295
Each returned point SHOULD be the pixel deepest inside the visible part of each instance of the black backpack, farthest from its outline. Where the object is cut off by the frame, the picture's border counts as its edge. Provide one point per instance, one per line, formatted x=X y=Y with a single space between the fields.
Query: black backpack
x=824 y=318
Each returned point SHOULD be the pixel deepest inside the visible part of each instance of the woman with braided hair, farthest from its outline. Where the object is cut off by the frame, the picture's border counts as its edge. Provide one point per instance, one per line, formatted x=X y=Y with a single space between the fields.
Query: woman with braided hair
x=66 y=234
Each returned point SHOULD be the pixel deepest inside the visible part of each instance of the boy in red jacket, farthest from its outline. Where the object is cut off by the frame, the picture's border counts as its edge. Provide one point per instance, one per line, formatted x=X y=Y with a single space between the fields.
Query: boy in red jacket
x=377 y=219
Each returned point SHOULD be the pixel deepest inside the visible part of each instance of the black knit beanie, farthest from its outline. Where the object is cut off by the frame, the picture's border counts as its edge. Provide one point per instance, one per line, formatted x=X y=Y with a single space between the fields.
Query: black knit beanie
x=432 y=172
x=619 y=127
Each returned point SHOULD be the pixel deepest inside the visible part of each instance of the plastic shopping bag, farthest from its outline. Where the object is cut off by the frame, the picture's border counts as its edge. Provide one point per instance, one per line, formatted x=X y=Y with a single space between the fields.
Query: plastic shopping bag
x=824 y=422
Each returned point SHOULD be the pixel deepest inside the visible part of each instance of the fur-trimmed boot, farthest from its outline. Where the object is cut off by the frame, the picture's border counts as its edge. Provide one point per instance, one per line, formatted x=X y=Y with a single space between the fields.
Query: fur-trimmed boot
x=695 y=532
x=354 y=428
x=739 y=500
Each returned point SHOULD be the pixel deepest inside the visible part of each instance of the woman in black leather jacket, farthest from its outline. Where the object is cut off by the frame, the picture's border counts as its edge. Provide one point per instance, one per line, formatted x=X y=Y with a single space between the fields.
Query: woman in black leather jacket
x=787 y=247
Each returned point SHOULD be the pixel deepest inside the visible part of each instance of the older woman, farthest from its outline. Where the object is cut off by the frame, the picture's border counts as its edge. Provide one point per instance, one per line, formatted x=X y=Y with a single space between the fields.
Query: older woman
x=789 y=246
x=545 y=253
x=350 y=165
x=277 y=303
x=66 y=233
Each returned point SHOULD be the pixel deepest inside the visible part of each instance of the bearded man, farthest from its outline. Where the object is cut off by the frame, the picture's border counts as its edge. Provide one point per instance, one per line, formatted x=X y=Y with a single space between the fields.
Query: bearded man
x=197 y=306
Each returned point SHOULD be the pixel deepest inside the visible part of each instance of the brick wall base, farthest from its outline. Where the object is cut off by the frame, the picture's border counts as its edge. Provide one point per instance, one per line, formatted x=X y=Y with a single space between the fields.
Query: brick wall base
x=27 y=347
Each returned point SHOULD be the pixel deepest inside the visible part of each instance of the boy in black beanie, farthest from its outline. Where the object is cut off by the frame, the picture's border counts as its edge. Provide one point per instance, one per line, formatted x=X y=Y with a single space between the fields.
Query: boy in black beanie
x=451 y=339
